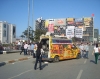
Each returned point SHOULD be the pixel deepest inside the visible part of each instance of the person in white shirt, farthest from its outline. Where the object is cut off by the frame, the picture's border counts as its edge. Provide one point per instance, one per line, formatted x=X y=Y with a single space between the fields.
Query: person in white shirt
x=82 y=50
x=25 y=48
x=96 y=53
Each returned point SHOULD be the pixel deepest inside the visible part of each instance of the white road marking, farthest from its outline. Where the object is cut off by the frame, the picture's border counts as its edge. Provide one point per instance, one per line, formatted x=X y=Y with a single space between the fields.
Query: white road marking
x=20 y=74
x=85 y=61
x=79 y=75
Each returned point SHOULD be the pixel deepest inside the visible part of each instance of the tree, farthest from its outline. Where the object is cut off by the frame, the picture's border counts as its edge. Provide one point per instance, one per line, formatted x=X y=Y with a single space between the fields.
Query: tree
x=22 y=36
x=38 y=33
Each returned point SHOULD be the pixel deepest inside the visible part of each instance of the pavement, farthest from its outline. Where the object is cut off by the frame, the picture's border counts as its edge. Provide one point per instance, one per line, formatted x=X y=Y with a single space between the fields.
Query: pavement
x=13 y=57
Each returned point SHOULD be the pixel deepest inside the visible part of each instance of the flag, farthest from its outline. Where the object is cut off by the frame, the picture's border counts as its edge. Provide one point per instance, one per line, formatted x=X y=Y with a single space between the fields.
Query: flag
x=92 y=15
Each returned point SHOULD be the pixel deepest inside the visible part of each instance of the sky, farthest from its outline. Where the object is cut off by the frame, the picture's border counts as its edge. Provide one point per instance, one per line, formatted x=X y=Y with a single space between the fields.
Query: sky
x=16 y=11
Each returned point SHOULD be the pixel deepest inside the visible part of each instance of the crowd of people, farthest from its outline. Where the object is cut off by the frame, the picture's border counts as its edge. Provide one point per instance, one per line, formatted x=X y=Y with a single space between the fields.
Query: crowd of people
x=84 y=48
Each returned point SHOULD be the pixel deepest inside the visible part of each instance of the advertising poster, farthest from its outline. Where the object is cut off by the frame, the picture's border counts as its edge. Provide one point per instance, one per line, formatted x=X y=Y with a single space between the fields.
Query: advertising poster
x=51 y=28
x=69 y=33
x=49 y=21
x=79 y=21
x=70 y=27
x=88 y=21
x=70 y=21
x=78 y=32
x=60 y=22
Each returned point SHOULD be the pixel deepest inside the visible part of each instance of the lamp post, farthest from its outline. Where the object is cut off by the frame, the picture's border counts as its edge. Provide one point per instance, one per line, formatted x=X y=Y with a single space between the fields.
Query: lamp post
x=28 y=19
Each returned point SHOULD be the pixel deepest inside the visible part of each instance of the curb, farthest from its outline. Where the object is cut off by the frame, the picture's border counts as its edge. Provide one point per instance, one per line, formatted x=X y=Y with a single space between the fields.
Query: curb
x=15 y=60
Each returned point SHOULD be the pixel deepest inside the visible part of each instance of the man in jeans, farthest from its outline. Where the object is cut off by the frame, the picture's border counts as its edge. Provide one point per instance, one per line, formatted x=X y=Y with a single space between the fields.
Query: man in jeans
x=86 y=50
x=82 y=50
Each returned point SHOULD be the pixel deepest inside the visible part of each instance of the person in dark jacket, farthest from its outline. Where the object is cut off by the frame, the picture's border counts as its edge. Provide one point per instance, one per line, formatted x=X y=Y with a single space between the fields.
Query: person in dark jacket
x=22 y=48
x=38 y=56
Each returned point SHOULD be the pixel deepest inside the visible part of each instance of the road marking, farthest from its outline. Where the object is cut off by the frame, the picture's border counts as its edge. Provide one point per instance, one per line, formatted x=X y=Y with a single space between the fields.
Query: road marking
x=20 y=74
x=85 y=61
x=79 y=75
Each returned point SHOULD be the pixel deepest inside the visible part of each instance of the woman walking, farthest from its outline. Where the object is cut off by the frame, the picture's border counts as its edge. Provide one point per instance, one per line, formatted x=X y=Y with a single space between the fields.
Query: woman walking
x=96 y=53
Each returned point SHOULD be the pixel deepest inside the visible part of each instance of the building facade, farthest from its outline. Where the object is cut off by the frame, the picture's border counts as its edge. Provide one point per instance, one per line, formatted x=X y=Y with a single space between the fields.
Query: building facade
x=7 y=32
x=96 y=35
x=59 y=26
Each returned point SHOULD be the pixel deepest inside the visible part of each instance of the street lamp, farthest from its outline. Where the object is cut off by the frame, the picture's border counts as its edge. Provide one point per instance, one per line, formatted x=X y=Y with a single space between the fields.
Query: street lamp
x=28 y=18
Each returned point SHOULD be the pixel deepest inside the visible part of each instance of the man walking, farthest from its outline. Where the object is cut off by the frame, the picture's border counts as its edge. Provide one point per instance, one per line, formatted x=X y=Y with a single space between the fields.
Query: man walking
x=82 y=50
x=86 y=50
x=38 y=56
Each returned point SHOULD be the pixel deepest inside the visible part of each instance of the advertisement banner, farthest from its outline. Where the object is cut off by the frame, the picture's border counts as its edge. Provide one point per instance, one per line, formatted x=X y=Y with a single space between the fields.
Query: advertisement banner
x=51 y=28
x=70 y=21
x=87 y=21
x=69 y=33
x=79 y=21
x=70 y=27
x=49 y=21
x=78 y=32
x=59 y=22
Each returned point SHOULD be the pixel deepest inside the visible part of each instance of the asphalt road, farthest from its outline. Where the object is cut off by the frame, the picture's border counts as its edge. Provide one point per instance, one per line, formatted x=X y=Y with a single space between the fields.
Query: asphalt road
x=69 y=69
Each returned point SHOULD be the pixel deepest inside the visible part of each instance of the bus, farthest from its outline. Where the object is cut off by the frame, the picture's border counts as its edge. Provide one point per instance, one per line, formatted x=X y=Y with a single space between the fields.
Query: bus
x=58 y=48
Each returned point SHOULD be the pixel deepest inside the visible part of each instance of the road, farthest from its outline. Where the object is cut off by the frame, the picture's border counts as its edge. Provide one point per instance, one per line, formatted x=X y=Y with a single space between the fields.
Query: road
x=69 y=69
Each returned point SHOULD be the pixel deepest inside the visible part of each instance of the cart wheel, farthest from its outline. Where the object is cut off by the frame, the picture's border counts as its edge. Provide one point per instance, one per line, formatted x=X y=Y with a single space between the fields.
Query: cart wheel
x=56 y=59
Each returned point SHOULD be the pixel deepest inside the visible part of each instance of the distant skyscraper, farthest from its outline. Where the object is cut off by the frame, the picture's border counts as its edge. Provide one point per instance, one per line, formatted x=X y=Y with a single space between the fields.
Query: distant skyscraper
x=7 y=32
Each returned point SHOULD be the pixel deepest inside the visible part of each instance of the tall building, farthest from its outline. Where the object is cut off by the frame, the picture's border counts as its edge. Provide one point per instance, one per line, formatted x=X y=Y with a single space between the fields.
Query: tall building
x=96 y=35
x=7 y=32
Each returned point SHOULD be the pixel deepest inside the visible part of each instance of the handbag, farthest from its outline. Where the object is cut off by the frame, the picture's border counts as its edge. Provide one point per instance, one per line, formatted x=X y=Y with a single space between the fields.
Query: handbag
x=99 y=51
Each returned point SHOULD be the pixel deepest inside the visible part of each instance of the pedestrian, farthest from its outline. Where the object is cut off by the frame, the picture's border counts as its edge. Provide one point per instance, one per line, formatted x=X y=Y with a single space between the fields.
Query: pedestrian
x=29 y=48
x=82 y=50
x=22 y=48
x=38 y=57
x=32 y=48
x=25 y=48
x=86 y=50
x=96 y=53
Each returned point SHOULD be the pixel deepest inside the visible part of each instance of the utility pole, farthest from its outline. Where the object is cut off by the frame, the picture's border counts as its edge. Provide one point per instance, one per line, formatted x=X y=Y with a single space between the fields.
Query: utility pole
x=32 y=17
x=28 y=18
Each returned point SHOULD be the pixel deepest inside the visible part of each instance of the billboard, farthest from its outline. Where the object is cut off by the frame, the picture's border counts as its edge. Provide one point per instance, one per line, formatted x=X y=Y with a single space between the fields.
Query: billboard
x=49 y=21
x=78 y=32
x=70 y=27
x=70 y=21
x=88 y=21
x=69 y=33
x=51 y=28
x=60 y=22
x=79 y=21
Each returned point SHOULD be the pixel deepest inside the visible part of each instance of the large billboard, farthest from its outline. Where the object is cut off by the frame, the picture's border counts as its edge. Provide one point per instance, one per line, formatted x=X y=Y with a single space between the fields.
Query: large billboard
x=69 y=33
x=88 y=21
x=70 y=21
x=78 y=32
x=49 y=21
x=79 y=21
x=60 y=22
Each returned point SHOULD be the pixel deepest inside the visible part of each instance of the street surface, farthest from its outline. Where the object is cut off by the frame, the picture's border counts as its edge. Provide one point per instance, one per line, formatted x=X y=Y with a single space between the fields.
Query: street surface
x=69 y=69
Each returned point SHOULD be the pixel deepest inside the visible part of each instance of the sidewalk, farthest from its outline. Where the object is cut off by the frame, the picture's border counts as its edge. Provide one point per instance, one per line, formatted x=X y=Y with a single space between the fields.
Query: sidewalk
x=13 y=57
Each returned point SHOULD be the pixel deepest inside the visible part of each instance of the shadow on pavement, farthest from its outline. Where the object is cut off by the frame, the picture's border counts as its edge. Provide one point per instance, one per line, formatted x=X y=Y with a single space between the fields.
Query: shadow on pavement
x=2 y=64
x=92 y=61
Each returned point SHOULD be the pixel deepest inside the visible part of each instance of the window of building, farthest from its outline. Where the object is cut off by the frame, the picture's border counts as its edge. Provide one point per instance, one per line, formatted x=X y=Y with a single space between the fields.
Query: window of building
x=4 y=33
x=4 y=25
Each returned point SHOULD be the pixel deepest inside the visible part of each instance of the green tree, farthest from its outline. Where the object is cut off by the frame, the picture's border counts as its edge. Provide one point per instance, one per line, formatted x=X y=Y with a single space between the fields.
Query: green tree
x=38 y=33
x=22 y=36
